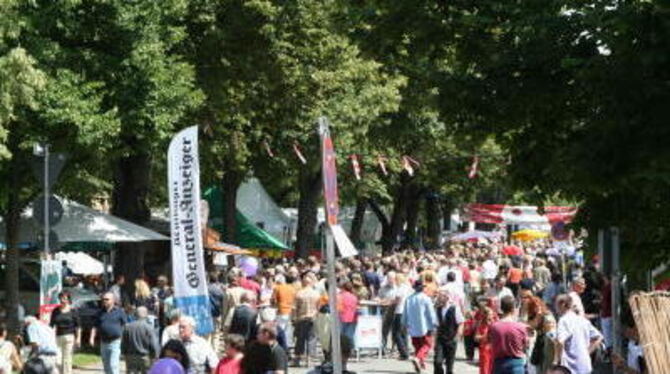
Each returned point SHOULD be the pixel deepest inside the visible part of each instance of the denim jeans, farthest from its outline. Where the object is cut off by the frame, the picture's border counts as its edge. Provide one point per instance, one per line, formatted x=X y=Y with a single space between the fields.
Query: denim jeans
x=349 y=330
x=399 y=336
x=111 y=356
x=509 y=366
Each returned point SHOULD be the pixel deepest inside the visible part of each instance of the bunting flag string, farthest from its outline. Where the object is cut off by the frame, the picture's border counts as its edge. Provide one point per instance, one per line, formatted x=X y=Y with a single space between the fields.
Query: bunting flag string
x=356 y=166
x=296 y=150
x=381 y=161
x=268 y=149
x=474 y=168
x=408 y=164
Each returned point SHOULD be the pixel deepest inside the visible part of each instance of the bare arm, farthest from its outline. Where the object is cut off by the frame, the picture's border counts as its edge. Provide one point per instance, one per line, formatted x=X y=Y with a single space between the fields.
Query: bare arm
x=558 y=352
x=91 y=340
x=594 y=344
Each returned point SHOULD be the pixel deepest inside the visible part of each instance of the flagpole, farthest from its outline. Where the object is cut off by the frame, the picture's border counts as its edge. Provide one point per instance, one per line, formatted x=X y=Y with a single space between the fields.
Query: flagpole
x=335 y=349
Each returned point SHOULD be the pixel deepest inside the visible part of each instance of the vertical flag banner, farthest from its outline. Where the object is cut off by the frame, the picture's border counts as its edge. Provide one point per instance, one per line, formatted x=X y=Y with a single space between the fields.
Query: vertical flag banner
x=329 y=173
x=188 y=264
x=474 y=168
x=51 y=284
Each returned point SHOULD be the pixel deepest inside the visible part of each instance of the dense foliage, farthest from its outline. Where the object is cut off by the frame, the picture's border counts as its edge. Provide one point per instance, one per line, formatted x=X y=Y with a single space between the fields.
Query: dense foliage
x=560 y=99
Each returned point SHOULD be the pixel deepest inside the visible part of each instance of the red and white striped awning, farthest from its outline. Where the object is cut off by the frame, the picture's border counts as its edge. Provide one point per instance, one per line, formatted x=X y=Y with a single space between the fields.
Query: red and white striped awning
x=517 y=215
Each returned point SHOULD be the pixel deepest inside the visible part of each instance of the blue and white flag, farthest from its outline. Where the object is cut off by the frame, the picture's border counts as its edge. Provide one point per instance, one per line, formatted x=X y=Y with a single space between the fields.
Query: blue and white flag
x=188 y=265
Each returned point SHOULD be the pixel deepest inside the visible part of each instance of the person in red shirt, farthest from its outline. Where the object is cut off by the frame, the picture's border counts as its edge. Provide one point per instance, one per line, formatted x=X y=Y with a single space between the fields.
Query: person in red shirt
x=347 y=308
x=231 y=362
x=481 y=336
x=509 y=340
x=469 y=327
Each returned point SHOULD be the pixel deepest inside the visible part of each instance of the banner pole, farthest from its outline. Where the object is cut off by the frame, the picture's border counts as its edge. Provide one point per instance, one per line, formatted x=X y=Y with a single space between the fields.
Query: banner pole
x=336 y=350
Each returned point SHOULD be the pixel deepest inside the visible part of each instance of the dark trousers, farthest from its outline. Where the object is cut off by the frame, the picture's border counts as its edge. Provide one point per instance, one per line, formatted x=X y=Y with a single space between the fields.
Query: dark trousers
x=445 y=353
x=400 y=336
x=387 y=323
x=304 y=329
x=469 y=341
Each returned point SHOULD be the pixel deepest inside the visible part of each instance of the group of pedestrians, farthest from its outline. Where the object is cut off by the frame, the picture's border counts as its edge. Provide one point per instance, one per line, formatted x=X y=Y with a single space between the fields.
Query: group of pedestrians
x=519 y=310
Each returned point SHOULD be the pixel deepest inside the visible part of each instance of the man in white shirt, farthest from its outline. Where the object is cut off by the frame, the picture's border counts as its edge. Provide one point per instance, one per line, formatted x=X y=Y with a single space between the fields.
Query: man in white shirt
x=489 y=269
x=202 y=357
x=578 y=288
x=576 y=338
x=394 y=295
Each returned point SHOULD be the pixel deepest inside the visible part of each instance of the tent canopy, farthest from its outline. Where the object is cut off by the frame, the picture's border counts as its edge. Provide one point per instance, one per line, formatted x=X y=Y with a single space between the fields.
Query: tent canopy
x=248 y=235
x=83 y=224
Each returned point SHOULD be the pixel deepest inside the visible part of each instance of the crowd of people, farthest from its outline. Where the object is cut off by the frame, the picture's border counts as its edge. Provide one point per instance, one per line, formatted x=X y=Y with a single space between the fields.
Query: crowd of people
x=515 y=310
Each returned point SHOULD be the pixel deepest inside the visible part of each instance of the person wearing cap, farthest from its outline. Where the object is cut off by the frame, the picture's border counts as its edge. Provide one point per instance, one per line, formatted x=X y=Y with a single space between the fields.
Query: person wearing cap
x=421 y=322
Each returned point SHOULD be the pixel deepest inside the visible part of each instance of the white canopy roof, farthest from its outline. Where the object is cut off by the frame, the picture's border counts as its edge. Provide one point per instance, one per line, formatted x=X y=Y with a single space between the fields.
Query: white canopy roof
x=83 y=224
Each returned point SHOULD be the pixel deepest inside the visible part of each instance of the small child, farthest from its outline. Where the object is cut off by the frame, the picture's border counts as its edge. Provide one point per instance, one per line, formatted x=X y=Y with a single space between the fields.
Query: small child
x=469 y=328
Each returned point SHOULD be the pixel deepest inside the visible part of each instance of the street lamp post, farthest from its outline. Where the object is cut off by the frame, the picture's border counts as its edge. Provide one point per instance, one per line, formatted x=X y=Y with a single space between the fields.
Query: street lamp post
x=42 y=150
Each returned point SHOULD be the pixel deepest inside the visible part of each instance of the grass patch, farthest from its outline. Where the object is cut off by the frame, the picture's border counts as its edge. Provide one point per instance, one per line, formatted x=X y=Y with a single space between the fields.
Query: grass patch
x=84 y=359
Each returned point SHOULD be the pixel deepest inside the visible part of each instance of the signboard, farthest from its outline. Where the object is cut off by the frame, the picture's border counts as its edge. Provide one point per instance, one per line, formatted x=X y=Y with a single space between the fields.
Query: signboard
x=329 y=168
x=188 y=264
x=368 y=332
x=51 y=284
x=329 y=171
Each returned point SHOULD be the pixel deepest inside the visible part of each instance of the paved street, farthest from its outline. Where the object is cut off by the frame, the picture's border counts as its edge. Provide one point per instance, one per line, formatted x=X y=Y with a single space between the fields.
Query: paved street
x=367 y=364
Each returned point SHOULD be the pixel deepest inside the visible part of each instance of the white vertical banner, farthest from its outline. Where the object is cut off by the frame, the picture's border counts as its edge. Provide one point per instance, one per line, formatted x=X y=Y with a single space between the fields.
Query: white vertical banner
x=188 y=264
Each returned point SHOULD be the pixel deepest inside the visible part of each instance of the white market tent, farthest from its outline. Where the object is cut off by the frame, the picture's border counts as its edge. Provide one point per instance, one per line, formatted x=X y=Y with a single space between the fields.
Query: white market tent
x=81 y=263
x=83 y=224
x=259 y=207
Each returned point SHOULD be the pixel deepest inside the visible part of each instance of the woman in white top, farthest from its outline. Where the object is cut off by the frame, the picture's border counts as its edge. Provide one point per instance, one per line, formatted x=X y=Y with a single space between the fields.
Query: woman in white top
x=9 y=356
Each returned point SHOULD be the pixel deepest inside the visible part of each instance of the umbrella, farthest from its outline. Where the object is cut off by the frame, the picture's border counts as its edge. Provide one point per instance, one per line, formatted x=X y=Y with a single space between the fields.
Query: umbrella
x=512 y=250
x=83 y=224
x=529 y=235
x=475 y=235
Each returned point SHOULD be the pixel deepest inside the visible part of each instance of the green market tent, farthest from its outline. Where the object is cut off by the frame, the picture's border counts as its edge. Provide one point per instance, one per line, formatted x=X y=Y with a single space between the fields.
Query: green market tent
x=248 y=235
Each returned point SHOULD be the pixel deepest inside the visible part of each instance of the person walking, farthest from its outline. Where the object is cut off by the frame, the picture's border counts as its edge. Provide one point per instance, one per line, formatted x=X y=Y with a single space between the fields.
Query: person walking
x=139 y=343
x=449 y=329
x=283 y=297
x=395 y=297
x=482 y=337
x=265 y=355
x=42 y=343
x=421 y=322
x=576 y=338
x=245 y=317
x=65 y=321
x=9 y=355
x=231 y=363
x=306 y=309
x=347 y=305
x=202 y=358
x=109 y=324
x=509 y=340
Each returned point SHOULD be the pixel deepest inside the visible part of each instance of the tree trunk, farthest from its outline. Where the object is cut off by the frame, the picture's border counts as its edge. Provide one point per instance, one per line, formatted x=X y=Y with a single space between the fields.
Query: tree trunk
x=230 y=183
x=310 y=190
x=132 y=180
x=433 y=217
x=412 y=215
x=357 y=222
x=381 y=216
x=390 y=237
